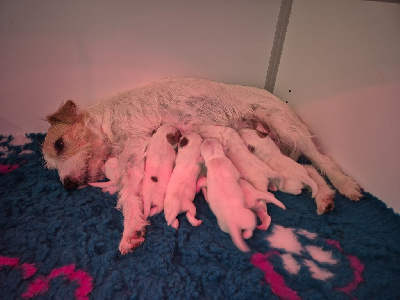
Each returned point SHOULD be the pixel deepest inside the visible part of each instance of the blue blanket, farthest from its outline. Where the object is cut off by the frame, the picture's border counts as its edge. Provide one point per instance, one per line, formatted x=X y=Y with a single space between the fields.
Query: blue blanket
x=56 y=244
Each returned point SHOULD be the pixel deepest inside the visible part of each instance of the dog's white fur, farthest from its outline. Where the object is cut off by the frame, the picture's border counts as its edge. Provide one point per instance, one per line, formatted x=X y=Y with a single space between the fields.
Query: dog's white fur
x=111 y=171
x=325 y=195
x=295 y=175
x=225 y=196
x=160 y=159
x=251 y=168
x=181 y=188
x=79 y=142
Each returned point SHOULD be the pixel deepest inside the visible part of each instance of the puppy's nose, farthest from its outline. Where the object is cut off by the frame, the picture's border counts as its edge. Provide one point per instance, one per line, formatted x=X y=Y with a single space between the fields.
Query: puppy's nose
x=70 y=184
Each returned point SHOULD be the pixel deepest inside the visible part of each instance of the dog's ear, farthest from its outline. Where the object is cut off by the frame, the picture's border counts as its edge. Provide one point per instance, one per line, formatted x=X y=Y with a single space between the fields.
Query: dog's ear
x=67 y=113
x=262 y=134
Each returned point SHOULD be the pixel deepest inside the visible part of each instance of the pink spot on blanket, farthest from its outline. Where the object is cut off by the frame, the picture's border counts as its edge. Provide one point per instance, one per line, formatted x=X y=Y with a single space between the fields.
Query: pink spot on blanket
x=7 y=168
x=9 y=261
x=356 y=265
x=41 y=285
x=28 y=270
x=274 y=279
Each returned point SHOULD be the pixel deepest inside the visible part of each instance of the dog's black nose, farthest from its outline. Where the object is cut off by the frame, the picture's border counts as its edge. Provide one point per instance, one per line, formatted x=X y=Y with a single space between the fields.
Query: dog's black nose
x=70 y=184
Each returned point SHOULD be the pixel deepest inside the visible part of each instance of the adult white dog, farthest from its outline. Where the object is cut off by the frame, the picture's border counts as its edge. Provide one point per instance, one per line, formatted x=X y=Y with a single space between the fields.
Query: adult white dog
x=79 y=142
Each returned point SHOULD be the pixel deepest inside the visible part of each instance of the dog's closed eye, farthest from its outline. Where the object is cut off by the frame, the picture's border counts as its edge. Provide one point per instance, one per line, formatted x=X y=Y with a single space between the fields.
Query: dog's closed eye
x=59 y=145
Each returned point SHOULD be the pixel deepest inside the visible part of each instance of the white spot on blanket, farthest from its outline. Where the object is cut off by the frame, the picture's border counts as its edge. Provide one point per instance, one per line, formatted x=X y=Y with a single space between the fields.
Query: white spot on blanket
x=20 y=140
x=320 y=255
x=26 y=152
x=317 y=272
x=285 y=238
x=290 y=264
x=4 y=150
x=307 y=234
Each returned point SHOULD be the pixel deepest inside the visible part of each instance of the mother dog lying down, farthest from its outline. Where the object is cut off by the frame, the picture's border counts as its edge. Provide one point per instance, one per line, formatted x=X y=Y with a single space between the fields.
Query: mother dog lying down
x=80 y=141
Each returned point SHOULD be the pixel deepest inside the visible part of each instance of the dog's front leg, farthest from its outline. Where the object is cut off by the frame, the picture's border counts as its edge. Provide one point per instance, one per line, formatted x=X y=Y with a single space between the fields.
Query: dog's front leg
x=131 y=204
x=325 y=195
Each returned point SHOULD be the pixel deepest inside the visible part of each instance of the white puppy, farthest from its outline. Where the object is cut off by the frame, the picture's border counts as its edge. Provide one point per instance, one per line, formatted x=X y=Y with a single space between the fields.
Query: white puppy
x=181 y=188
x=257 y=202
x=225 y=196
x=251 y=168
x=160 y=158
x=295 y=175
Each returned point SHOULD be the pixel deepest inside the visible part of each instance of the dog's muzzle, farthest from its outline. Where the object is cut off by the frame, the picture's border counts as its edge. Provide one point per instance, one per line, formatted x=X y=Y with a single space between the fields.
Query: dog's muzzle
x=70 y=184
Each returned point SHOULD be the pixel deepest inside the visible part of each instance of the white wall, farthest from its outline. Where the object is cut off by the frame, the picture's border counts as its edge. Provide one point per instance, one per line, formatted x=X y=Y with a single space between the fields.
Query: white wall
x=341 y=62
x=53 y=50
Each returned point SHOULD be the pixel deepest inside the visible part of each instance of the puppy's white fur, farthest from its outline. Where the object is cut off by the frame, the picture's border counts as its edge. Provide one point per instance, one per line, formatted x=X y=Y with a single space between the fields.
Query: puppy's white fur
x=181 y=188
x=80 y=141
x=160 y=159
x=295 y=175
x=251 y=168
x=225 y=196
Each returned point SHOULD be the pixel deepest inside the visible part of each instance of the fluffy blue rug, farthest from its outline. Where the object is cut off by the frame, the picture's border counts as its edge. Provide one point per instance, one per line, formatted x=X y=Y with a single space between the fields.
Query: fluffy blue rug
x=56 y=244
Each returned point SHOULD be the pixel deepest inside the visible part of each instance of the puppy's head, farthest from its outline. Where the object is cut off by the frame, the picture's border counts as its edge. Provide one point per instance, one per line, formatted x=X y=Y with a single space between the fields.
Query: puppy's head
x=73 y=148
x=211 y=148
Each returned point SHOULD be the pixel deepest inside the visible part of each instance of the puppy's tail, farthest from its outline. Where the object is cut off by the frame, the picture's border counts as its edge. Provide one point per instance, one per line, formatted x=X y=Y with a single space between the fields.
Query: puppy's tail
x=237 y=238
x=171 y=209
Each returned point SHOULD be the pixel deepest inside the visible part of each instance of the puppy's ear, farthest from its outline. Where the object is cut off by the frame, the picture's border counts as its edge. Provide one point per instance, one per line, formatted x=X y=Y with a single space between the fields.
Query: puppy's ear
x=173 y=139
x=67 y=113
x=183 y=142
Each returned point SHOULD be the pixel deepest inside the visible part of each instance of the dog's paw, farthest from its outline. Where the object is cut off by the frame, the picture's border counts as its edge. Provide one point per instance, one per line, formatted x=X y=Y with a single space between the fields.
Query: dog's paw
x=350 y=189
x=112 y=189
x=325 y=203
x=355 y=193
x=128 y=244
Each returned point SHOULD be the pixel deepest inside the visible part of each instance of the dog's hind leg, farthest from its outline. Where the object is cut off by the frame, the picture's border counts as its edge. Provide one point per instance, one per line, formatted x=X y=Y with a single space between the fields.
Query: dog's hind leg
x=294 y=134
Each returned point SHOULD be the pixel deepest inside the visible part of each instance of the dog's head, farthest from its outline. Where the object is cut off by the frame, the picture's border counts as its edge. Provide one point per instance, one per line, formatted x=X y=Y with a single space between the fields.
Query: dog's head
x=75 y=149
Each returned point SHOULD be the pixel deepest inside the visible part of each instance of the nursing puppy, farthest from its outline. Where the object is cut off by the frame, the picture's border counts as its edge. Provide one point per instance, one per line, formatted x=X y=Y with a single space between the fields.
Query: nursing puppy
x=295 y=175
x=251 y=168
x=79 y=142
x=257 y=202
x=181 y=188
x=160 y=159
x=225 y=196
